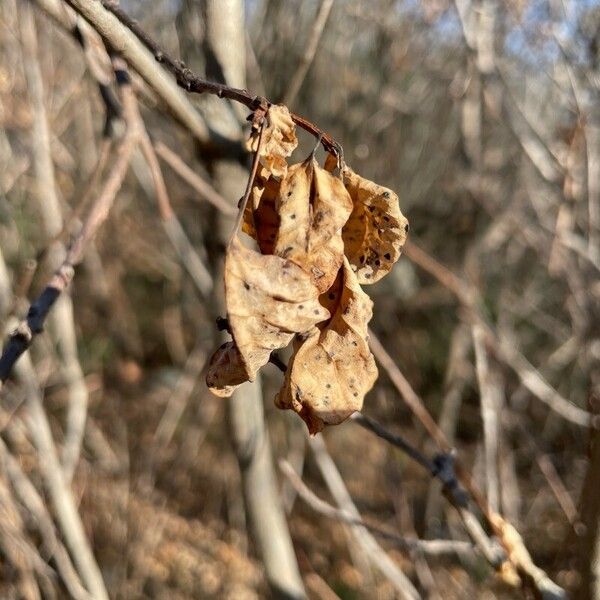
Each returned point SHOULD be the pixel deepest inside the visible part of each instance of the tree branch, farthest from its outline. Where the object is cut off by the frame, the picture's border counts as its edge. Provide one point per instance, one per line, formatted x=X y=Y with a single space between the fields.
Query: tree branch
x=20 y=340
x=185 y=77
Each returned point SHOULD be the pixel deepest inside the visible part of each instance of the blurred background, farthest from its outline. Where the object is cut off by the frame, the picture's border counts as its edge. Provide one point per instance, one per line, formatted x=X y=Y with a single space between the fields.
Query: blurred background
x=483 y=115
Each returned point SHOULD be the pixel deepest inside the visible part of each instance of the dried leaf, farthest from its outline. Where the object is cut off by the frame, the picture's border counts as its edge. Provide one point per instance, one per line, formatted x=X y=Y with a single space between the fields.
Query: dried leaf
x=332 y=162
x=313 y=206
x=279 y=140
x=226 y=370
x=332 y=369
x=269 y=299
x=376 y=230
x=261 y=220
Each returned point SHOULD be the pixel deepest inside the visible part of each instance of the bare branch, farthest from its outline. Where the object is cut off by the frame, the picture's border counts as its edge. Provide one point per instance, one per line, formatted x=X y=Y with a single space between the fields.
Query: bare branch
x=23 y=336
x=375 y=553
x=192 y=178
x=428 y=548
x=117 y=29
x=309 y=52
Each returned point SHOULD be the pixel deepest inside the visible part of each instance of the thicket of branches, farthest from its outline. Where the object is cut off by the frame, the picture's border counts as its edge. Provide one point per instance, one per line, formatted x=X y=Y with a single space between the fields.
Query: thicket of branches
x=120 y=171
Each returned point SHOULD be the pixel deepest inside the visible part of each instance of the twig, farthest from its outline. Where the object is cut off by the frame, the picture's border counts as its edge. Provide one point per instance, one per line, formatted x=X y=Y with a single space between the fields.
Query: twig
x=309 y=52
x=23 y=336
x=458 y=372
x=528 y=375
x=490 y=399
x=410 y=397
x=175 y=232
x=258 y=116
x=63 y=321
x=122 y=40
x=184 y=76
x=98 y=64
x=62 y=498
x=429 y=548
x=30 y=498
x=520 y=561
x=392 y=438
x=375 y=553
x=193 y=179
x=546 y=466
x=442 y=468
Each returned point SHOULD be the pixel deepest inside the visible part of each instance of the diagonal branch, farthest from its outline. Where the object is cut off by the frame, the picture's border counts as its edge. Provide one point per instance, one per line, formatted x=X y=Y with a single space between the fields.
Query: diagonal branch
x=20 y=340
x=113 y=24
x=429 y=548
x=309 y=53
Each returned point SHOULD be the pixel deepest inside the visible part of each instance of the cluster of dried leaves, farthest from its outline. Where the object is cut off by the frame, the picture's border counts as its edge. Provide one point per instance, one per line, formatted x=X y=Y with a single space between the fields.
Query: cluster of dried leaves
x=321 y=233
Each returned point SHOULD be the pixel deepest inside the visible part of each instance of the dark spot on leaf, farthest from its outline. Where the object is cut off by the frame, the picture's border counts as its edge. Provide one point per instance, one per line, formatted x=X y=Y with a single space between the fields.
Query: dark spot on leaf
x=292 y=216
x=387 y=256
x=386 y=194
x=331 y=296
x=378 y=262
x=301 y=307
x=406 y=228
x=246 y=285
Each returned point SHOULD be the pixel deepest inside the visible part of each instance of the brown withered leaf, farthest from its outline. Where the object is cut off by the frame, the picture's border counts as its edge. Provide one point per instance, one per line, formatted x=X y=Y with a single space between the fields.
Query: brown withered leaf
x=226 y=370
x=376 y=230
x=279 y=140
x=261 y=220
x=332 y=368
x=313 y=206
x=269 y=299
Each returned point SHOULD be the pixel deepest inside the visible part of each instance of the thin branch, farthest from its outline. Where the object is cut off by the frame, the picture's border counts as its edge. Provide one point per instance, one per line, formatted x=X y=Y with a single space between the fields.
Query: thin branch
x=490 y=399
x=62 y=498
x=260 y=120
x=428 y=548
x=309 y=52
x=192 y=178
x=392 y=438
x=185 y=78
x=63 y=321
x=442 y=468
x=375 y=553
x=506 y=351
x=68 y=518
x=519 y=568
x=173 y=228
x=30 y=498
x=23 y=336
